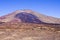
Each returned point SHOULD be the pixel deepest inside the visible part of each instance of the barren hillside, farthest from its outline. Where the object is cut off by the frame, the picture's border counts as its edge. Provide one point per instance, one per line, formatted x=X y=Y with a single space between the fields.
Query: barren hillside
x=29 y=25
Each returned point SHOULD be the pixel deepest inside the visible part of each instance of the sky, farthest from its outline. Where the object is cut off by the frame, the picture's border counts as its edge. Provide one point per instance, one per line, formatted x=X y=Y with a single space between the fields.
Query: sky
x=47 y=7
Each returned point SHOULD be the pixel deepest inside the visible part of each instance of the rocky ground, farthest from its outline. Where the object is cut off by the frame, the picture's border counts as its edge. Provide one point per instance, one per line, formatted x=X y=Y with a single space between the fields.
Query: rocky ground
x=29 y=34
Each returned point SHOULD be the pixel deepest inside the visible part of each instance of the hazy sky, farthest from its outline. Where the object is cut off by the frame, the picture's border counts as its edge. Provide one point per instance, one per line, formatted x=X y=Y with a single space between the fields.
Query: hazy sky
x=47 y=7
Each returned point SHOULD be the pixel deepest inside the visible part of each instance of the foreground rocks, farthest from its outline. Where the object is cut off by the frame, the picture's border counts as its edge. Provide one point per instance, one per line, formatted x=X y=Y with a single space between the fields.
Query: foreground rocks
x=29 y=31
x=28 y=34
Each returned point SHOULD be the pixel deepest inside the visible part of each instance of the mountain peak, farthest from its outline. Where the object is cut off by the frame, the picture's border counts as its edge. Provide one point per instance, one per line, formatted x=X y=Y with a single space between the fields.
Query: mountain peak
x=24 y=10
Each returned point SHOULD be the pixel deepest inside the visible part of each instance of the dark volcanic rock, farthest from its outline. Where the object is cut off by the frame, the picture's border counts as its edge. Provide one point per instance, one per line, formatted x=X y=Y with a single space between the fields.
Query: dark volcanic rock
x=28 y=17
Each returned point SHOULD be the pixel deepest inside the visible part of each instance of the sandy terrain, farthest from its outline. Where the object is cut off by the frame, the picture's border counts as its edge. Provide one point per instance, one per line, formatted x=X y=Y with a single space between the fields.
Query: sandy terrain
x=29 y=34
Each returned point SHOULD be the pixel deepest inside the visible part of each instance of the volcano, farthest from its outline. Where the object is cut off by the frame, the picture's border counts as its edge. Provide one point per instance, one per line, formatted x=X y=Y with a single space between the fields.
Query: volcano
x=29 y=25
x=29 y=16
